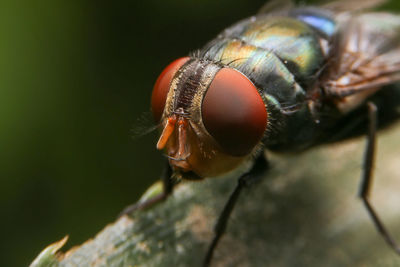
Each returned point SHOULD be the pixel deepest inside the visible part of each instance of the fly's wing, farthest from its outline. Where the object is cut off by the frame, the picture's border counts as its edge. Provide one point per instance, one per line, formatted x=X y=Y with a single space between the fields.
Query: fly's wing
x=365 y=54
x=340 y=6
x=281 y=7
x=276 y=7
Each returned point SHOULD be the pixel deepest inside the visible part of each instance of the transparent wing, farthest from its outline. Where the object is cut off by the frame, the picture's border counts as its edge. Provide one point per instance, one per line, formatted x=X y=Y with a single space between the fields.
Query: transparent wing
x=276 y=7
x=340 y=6
x=366 y=55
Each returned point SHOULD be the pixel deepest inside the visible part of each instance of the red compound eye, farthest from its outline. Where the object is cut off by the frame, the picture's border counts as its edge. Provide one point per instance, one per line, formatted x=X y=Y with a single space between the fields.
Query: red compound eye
x=161 y=87
x=234 y=113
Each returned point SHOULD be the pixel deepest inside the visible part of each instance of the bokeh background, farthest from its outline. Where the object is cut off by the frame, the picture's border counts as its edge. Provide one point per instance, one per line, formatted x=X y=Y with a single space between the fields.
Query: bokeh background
x=75 y=77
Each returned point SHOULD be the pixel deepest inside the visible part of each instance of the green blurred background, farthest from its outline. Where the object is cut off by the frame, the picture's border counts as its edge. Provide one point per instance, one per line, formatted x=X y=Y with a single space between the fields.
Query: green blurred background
x=74 y=78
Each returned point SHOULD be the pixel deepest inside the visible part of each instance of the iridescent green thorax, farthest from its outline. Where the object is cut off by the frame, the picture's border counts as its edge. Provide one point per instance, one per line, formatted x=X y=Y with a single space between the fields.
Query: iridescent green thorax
x=279 y=54
x=291 y=40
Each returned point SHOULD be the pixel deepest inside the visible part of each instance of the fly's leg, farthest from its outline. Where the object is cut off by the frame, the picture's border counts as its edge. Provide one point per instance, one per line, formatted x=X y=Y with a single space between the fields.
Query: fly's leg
x=366 y=182
x=255 y=173
x=168 y=186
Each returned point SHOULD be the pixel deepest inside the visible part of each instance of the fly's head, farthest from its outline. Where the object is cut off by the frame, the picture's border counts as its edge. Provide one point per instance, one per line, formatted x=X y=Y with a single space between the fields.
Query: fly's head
x=212 y=117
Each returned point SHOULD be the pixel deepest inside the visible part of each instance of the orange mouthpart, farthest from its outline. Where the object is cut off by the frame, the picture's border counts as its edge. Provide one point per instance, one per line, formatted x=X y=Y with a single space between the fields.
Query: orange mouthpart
x=182 y=138
x=166 y=133
x=181 y=152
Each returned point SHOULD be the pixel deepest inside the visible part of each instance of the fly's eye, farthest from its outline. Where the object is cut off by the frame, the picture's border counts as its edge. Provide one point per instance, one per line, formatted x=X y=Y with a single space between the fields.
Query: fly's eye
x=233 y=112
x=161 y=87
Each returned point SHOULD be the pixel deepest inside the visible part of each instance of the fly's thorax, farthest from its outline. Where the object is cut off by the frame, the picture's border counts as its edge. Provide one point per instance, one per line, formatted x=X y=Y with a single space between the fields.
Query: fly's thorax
x=282 y=54
x=213 y=118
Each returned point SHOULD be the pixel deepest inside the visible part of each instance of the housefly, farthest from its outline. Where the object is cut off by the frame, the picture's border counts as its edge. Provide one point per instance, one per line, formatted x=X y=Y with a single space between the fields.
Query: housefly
x=286 y=79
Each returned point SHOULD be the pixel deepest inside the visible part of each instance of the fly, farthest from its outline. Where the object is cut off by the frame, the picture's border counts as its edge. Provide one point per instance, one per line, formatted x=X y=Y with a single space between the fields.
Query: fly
x=287 y=79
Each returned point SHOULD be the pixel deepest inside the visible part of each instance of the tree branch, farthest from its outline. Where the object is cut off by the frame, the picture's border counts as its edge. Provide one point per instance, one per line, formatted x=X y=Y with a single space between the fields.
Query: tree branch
x=304 y=213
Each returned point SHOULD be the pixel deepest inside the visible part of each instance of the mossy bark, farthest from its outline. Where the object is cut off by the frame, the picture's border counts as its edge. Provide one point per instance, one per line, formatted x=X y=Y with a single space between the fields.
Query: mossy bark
x=304 y=213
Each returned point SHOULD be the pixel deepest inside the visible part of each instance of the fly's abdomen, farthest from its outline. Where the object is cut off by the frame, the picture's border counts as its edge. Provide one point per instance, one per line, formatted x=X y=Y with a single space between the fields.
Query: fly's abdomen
x=281 y=55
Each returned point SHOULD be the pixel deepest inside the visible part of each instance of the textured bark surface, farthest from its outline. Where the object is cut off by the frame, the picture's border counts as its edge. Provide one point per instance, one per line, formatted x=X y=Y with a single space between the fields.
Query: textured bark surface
x=304 y=213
